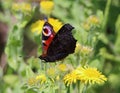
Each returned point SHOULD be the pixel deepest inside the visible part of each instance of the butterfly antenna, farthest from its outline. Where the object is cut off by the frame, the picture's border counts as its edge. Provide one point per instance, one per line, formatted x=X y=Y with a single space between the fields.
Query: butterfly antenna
x=45 y=18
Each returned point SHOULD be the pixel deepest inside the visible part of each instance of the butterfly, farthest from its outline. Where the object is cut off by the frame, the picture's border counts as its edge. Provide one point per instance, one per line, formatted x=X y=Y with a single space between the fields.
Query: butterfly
x=57 y=46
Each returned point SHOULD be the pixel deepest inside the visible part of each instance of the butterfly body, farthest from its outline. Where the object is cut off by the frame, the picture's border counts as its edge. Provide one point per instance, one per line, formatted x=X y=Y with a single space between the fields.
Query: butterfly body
x=57 y=46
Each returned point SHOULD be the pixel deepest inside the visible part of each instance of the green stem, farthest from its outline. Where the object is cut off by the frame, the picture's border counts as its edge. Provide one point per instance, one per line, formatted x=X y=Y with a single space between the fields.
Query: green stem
x=84 y=60
x=82 y=88
x=68 y=89
x=107 y=8
x=78 y=86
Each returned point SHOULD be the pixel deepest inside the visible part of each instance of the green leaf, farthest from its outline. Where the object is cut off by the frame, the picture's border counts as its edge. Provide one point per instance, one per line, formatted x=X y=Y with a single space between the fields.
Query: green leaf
x=13 y=63
x=103 y=38
x=10 y=79
x=114 y=80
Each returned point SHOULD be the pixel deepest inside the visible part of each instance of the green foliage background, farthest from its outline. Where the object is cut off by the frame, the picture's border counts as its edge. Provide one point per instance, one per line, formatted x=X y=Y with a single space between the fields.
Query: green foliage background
x=107 y=50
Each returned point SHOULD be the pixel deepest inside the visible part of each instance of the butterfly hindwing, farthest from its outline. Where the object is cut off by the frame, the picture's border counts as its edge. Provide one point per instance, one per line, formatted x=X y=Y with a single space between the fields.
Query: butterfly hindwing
x=62 y=45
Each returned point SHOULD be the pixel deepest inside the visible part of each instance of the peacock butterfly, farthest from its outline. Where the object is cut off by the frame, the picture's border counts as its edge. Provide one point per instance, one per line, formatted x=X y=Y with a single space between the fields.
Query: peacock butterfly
x=57 y=46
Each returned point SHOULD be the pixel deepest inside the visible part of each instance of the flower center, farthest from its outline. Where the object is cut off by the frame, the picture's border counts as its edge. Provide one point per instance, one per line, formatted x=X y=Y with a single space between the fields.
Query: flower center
x=91 y=73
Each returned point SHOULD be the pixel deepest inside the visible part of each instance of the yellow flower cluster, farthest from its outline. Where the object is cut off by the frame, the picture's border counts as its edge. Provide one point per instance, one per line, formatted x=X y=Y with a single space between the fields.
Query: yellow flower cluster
x=46 y=7
x=22 y=7
x=38 y=25
x=38 y=79
x=87 y=75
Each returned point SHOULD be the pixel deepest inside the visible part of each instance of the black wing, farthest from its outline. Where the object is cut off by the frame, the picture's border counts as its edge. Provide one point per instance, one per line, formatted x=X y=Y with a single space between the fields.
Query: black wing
x=62 y=45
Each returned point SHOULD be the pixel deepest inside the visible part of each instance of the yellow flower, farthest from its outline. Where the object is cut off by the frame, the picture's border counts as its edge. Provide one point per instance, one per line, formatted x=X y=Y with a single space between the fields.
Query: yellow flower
x=15 y=7
x=46 y=7
x=26 y=7
x=86 y=50
x=78 y=48
x=55 y=23
x=90 y=75
x=31 y=81
x=23 y=7
x=72 y=77
x=83 y=49
x=51 y=72
x=93 y=20
x=41 y=78
x=86 y=26
x=37 y=26
x=57 y=77
x=62 y=67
